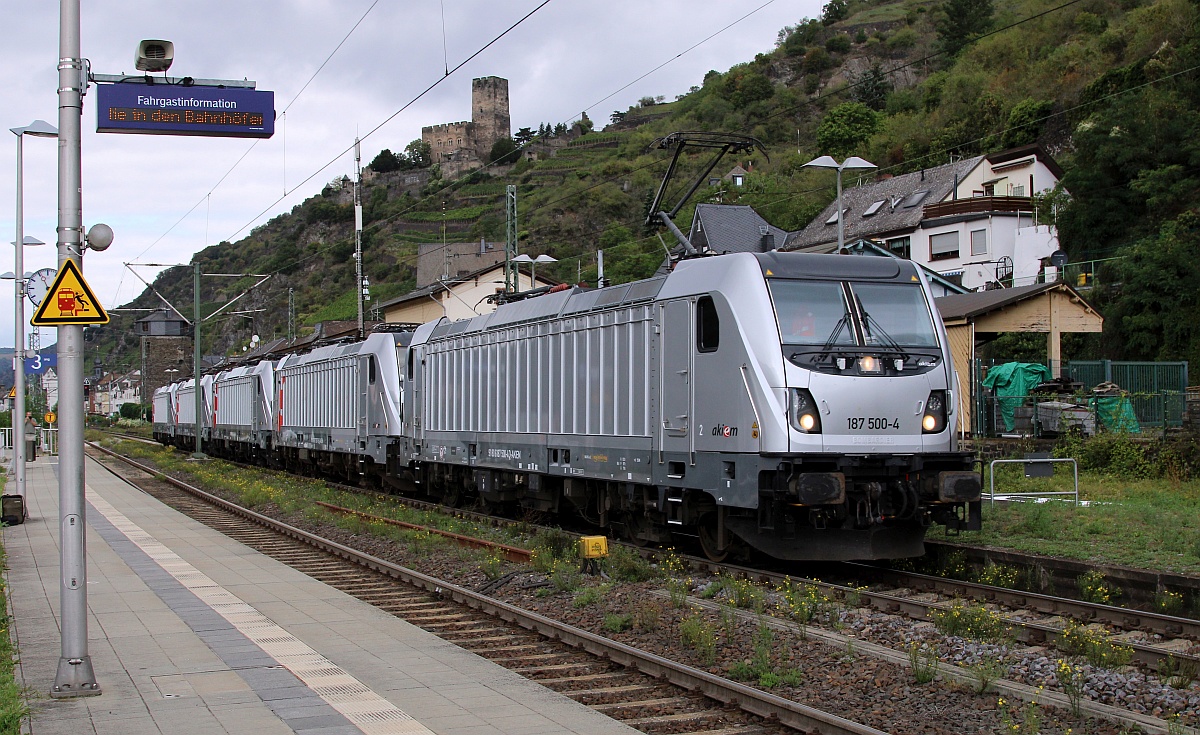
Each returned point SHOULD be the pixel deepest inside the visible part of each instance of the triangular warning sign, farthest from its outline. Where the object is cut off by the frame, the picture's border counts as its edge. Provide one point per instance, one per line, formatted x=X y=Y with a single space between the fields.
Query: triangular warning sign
x=12 y=393
x=69 y=300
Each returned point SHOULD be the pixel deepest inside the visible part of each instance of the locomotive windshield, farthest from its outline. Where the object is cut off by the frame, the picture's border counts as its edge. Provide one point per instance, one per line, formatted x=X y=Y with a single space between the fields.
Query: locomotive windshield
x=835 y=314
x=899 y=309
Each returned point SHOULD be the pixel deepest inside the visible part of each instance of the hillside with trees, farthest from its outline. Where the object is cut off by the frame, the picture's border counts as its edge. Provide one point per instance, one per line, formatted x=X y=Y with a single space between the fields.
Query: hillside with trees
x=1107 y=87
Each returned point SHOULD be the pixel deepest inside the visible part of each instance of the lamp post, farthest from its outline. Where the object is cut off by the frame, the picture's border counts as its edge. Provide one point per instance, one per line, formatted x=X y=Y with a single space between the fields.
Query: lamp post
x=830 y=162
x=543 y=258
x=37 y=129
x=522 y=258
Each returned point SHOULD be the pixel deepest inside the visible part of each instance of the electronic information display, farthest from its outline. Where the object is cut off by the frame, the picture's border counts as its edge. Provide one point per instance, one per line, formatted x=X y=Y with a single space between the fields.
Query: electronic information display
x=177 y=110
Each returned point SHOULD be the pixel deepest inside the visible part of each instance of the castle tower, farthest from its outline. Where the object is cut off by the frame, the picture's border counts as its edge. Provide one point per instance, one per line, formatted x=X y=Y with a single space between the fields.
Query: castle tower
x=489 y=113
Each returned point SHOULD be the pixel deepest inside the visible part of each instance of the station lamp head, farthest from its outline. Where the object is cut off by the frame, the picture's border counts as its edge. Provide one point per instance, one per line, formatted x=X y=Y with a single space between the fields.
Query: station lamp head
x=154 y=55
x=99 y=237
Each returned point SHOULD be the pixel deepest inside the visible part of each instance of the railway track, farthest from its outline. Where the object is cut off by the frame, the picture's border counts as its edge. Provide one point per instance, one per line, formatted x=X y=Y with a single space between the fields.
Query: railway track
x=643 y=690
x=1034 y=619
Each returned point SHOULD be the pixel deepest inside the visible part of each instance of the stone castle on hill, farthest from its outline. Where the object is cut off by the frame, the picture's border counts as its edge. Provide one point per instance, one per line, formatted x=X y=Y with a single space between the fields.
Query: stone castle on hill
x=460 y=147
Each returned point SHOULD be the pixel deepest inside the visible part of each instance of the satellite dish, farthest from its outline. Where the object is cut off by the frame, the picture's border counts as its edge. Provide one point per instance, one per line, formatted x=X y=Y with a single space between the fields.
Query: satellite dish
x=1058 y=258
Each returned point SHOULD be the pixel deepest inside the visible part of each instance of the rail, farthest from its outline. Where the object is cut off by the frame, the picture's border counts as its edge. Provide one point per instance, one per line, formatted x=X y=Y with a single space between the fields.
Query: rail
x=1036 y=493
x=755 y=701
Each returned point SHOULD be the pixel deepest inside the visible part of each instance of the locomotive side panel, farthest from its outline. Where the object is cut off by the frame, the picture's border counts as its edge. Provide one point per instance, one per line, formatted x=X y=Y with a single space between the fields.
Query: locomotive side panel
x=319 y=400
x=234 y=403
x=512 y=397
x=164 y=418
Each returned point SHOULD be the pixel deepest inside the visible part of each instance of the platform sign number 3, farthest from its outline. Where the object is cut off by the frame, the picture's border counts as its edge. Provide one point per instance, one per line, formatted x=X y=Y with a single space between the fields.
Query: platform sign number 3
x=69 y=301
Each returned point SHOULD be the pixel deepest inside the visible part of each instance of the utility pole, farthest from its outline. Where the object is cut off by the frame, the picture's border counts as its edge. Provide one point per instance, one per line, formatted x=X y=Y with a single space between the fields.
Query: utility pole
x=75 y=676
x=199 y=450
x=511 y=283
x=358 y=226
x=291 y=314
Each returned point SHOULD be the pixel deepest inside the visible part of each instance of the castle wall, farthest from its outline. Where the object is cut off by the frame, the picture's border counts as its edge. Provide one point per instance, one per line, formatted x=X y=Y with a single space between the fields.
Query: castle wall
x=448 y=138
x=459 y=147
x=489 y=112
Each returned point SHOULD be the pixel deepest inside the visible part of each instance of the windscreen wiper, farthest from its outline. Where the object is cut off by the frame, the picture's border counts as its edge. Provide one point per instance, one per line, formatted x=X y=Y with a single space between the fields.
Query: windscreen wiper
x=875 y=332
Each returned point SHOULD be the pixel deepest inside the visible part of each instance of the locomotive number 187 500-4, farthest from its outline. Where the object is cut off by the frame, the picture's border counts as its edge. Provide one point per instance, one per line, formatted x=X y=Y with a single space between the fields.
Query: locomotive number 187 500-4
x=872 y=423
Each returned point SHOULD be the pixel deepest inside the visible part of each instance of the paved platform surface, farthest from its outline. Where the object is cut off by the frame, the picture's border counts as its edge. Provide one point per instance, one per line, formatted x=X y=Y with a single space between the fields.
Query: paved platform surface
x=191 y=632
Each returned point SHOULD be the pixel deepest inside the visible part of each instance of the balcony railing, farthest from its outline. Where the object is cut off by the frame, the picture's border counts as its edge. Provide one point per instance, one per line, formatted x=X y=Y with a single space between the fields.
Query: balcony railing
x=979 y=204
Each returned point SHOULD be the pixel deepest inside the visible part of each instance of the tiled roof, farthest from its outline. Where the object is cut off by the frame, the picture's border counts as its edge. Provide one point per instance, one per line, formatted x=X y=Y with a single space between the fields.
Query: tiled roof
x=731 y=228
x=891 y=216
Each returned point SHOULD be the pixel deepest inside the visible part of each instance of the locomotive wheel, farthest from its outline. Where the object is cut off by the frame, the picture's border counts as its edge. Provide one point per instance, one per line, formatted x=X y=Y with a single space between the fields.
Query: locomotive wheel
x=452 y=494
x=706 y=529
x=635 y=524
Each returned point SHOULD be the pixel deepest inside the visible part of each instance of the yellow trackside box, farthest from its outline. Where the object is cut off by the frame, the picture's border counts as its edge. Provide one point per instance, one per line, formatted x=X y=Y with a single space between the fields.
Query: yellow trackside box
x=593 y=547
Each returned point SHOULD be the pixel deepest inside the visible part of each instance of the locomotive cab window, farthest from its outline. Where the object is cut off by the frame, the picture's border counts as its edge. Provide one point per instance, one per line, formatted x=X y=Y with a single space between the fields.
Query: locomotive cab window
x=708 y=325
x=371 y=369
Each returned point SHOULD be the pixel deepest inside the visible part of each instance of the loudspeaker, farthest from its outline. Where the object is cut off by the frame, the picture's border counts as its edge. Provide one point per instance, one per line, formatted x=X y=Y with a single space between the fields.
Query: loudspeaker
x=154 y=55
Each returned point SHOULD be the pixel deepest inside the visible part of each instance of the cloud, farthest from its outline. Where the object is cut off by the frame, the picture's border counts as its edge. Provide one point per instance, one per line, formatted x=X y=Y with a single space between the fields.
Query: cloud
x=562 y=60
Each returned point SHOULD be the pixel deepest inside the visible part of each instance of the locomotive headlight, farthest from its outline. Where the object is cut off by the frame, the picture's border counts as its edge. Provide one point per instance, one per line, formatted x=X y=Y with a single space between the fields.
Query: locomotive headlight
x=869 y=364
x=802 y=411
x=934 y=420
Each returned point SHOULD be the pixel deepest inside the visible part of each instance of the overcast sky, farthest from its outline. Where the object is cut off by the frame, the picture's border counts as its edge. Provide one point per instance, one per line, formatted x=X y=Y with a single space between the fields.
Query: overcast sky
x=569 y=57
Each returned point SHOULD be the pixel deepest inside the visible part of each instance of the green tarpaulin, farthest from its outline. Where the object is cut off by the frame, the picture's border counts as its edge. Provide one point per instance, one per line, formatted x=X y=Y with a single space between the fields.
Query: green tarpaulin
x=1012 y=382
x=1116 y=413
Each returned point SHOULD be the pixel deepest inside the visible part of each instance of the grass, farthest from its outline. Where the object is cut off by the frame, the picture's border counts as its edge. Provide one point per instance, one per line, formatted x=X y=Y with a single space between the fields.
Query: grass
x=291 y=493
x=13 y=708
x=1148 y=523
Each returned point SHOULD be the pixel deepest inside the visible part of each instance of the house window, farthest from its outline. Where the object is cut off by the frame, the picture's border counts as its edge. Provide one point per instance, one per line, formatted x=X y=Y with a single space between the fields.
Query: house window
x=978 y=242
x=915 y=198
x=708 y=325
x=738 y=179
x=943 y=245
x=834 y=218
x=873 y=208
x=901 y=247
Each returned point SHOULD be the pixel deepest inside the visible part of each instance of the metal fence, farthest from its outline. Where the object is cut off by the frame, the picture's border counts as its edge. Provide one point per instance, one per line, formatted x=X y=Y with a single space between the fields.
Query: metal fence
x=47 y=442
x=1156 y=392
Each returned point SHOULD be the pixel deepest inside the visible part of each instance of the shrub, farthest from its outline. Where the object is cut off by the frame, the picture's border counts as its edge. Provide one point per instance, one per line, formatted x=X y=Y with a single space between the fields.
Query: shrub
x=1094 y=645
x=905 y=38
x=1177 y=673
x=588 y=596
x=699 y=635
x=1095 y=589
x=744 y=593
x=970 y=621
x=493 y=565
x=646 y=615
x=924 y=662
x=838 y=44
x=626 y=565
x=617 y=622
x=986 y=671
x=999 y=575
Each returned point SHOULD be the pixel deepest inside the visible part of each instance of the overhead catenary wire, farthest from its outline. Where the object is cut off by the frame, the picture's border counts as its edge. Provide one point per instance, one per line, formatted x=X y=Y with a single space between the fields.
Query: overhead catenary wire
x=282 y=115
x=287 y=192
x=787 y=111
x=392 y=116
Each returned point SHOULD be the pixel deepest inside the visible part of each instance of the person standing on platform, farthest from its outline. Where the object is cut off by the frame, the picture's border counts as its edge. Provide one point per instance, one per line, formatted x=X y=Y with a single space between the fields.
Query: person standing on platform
x=31 y=438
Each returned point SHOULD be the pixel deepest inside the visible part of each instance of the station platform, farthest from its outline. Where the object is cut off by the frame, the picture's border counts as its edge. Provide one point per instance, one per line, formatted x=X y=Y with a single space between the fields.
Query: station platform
x=192 y=633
